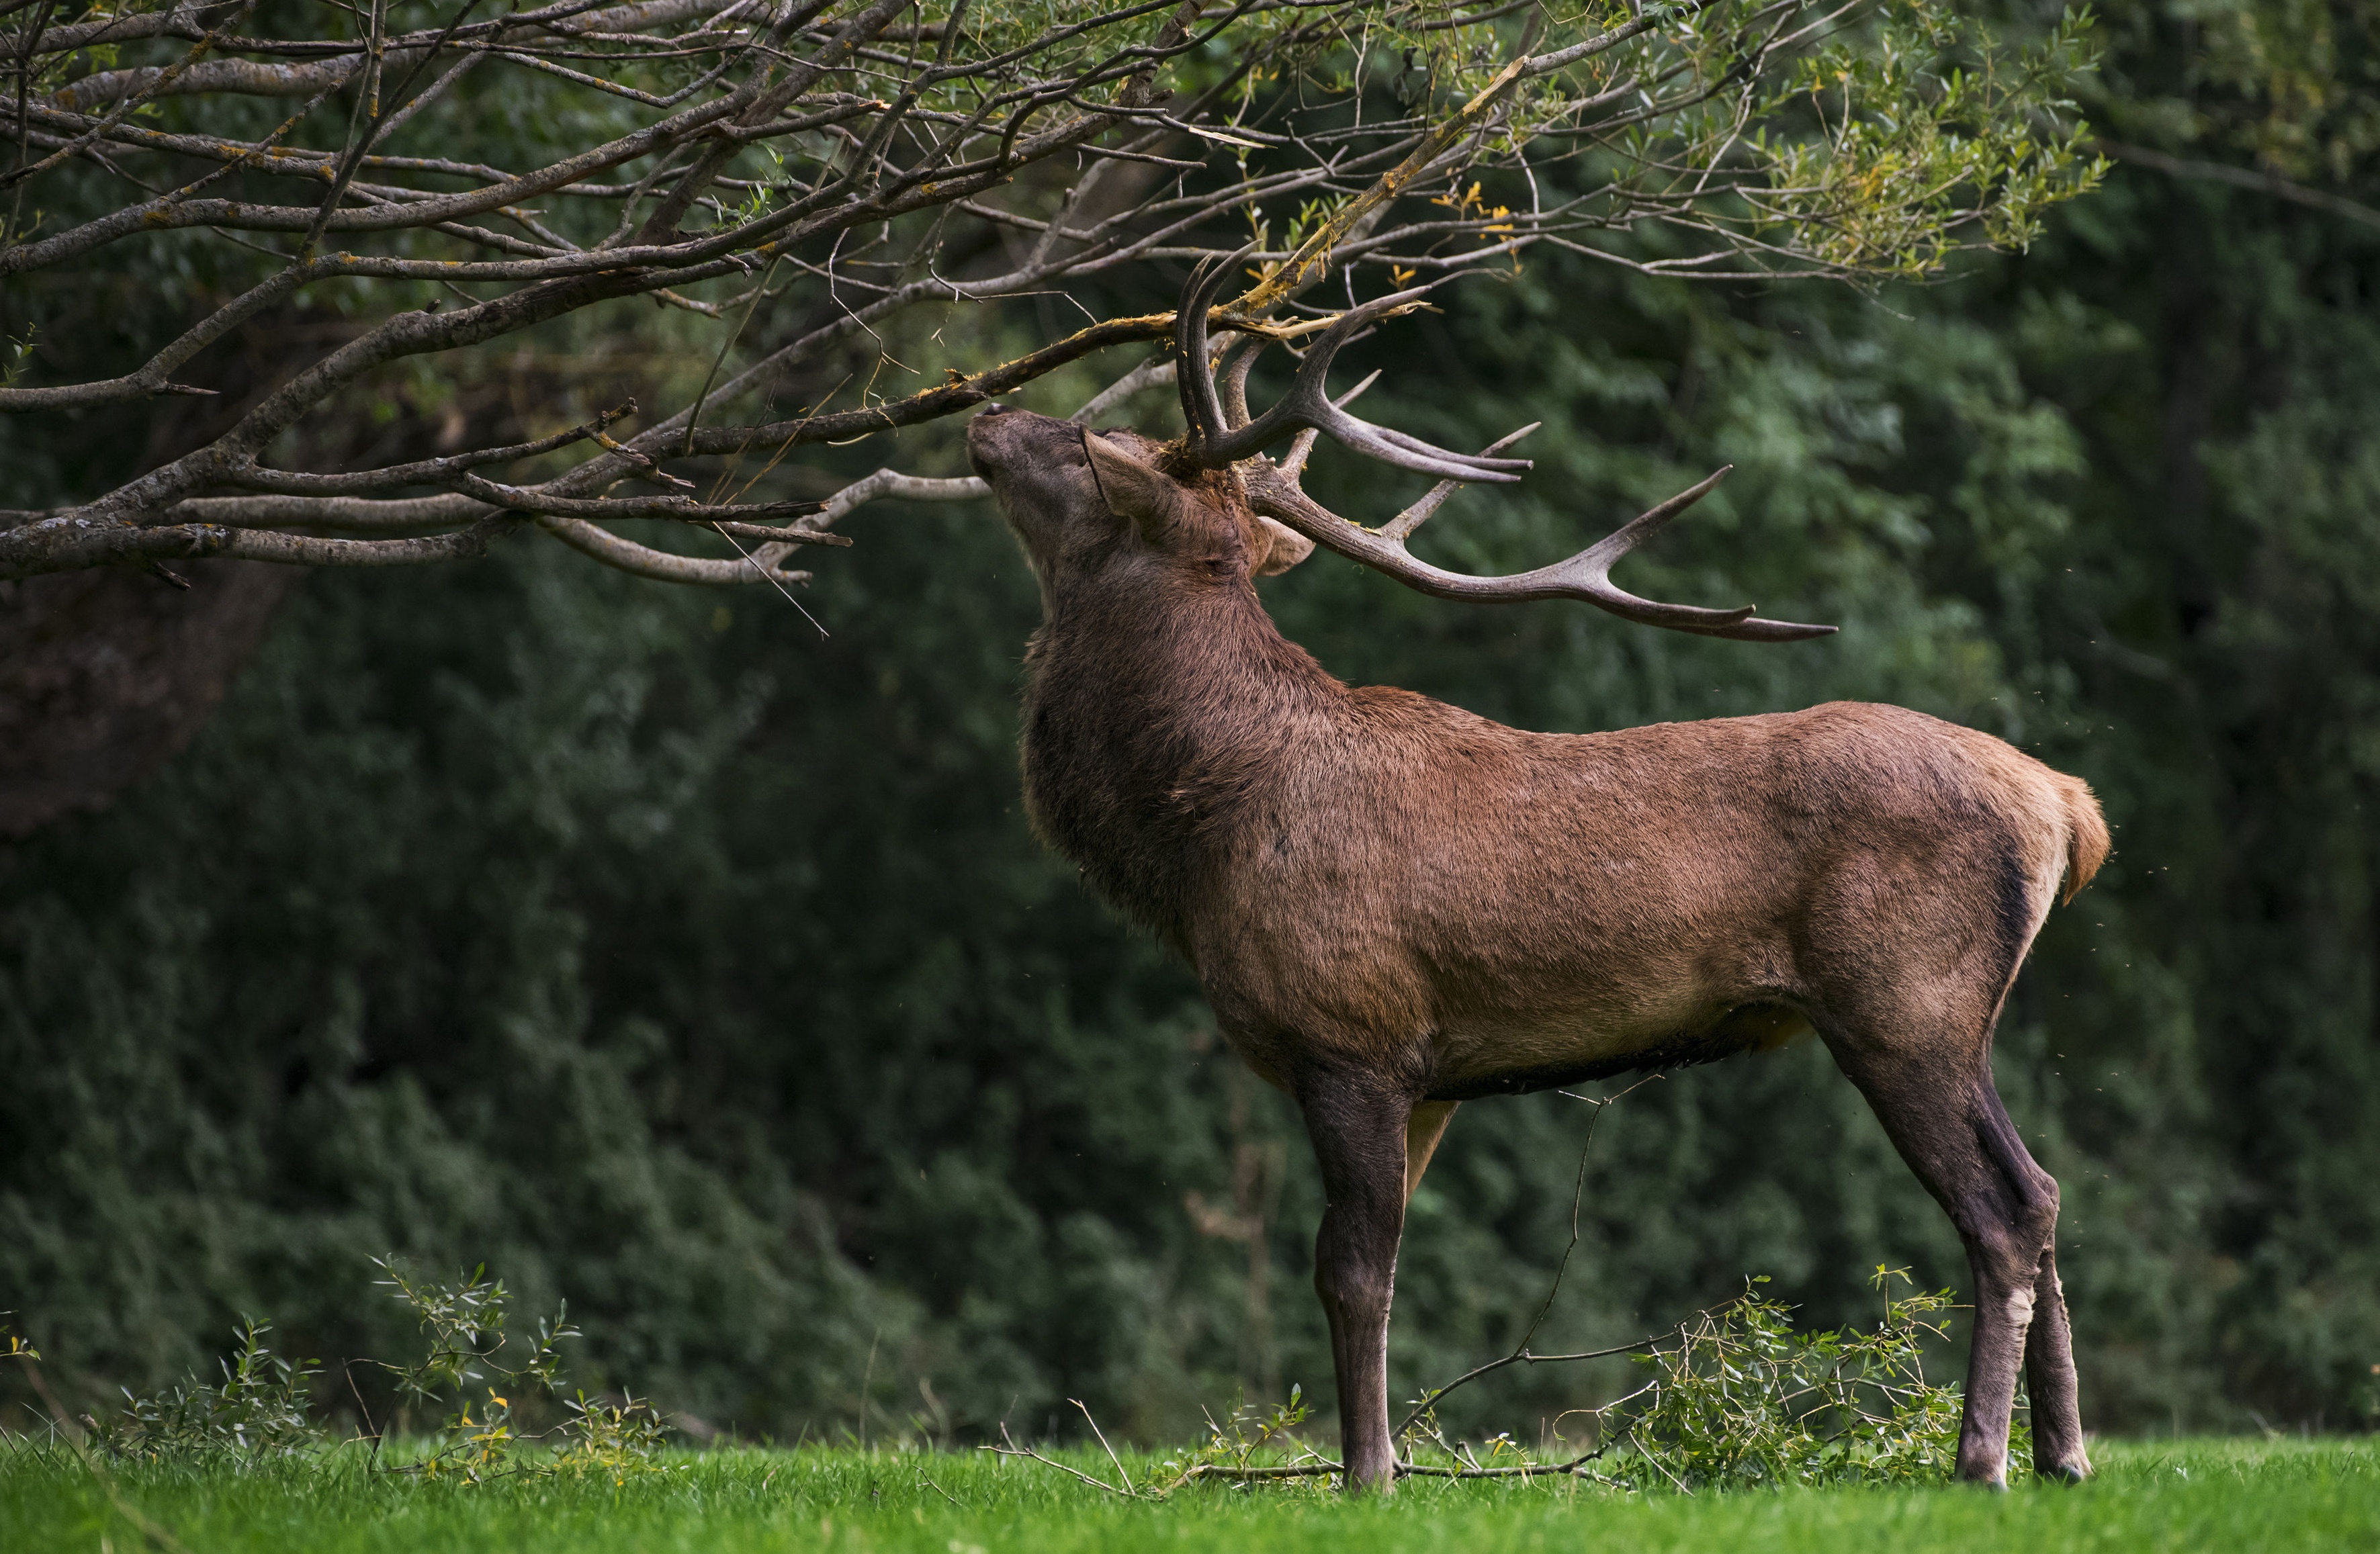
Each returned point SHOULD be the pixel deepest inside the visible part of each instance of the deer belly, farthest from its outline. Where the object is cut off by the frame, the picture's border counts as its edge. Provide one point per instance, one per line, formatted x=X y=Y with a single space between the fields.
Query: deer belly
x=1511 y=1057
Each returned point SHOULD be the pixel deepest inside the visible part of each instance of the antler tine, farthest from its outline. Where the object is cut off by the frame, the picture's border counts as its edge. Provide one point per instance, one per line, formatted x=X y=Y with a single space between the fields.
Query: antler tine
x=1586 y=575
x=1232 y=384
x=1193 y=377
x=1400 y=528
x=1300 y=447
x=1309 y=404
x=1217 y=438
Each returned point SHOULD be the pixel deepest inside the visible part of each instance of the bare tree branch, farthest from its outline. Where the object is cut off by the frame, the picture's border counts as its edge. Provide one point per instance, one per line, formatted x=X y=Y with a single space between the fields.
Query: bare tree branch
x=846 y=183
x=2239 y=177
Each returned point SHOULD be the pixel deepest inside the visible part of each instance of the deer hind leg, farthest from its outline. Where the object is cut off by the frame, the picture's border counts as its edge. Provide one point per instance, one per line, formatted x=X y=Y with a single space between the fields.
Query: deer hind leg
x=1358 y=1124
x=1946 y=1119
x=2057 y=1450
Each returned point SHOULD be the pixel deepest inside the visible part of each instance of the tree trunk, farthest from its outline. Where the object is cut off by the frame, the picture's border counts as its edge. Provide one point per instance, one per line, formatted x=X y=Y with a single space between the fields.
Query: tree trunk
x=105 y=675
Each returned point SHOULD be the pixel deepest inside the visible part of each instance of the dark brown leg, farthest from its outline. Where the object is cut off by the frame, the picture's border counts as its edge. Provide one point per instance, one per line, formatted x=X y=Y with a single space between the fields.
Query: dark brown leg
x=2049 y=1378
x=1358 y=1127
x=1955 y=1134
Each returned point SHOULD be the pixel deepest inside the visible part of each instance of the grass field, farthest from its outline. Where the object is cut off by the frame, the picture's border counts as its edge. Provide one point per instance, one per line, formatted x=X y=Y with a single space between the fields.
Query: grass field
x=2188 y=1495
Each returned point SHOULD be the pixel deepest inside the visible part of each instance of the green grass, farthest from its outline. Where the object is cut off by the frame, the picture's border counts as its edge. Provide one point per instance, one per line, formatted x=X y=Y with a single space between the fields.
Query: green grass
x=2189 y=1494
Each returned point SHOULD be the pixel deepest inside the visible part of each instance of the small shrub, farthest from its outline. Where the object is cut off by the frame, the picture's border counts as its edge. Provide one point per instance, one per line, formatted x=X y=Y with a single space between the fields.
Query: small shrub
x=263 y=1409
x=1739 y=1399
x=1742 y=1399
x=259 y=1411
x=615 y=1441
x=465 y=1322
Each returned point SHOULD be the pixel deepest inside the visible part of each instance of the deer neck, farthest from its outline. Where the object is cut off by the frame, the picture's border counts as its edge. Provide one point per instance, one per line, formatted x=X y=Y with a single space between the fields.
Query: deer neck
x=1154 y=714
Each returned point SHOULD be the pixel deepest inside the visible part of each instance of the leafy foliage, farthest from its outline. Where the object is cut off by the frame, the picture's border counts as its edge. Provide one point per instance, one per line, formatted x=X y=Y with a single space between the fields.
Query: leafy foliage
x=264 y=1410
x=465 y=1322
x=1740 y=1398
x=259 y=1411
x=611 y=1440
x=1914 y=163
x=1245 y=1444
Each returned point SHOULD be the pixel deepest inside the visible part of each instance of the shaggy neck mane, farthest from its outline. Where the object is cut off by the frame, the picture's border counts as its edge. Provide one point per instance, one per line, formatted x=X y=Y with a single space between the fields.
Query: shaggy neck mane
x=1156 y=705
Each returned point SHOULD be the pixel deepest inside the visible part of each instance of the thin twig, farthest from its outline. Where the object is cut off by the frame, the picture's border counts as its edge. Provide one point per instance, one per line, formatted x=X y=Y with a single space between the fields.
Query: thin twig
x=1123 y=1476
x=1521 y=1354
x=1008 y=1448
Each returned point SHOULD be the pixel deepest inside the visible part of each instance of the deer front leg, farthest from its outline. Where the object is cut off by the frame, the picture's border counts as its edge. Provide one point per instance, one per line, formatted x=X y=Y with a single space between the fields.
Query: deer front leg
x=1358 y=1124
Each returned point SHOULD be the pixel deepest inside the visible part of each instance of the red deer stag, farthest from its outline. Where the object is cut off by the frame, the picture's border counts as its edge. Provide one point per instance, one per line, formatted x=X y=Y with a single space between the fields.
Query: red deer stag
x=1396 y=906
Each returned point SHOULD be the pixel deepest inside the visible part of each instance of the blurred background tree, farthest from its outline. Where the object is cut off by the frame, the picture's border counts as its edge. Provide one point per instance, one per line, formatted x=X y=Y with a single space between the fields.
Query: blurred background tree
x=674 y=958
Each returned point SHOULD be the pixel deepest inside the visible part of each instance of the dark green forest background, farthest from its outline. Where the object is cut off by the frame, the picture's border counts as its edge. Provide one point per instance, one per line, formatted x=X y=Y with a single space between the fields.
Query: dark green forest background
x=673 y=959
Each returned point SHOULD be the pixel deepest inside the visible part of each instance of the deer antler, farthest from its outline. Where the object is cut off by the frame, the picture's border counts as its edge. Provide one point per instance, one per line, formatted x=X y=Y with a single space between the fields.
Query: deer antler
x=1221 y=434
x=1585 y=576
x=1215 y=442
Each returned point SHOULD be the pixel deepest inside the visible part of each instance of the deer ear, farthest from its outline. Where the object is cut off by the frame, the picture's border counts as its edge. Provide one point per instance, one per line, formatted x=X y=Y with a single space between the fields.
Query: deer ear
x=1132 y=490
x=1279 y=547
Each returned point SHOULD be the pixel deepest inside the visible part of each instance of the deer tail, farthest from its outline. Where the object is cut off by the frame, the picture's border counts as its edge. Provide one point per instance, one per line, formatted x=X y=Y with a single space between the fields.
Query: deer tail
x=2086 y=835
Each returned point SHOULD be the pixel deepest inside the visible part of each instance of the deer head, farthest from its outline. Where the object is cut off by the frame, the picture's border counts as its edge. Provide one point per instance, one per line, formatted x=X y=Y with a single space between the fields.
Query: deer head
x=1213 y=504
x=1101 y=505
